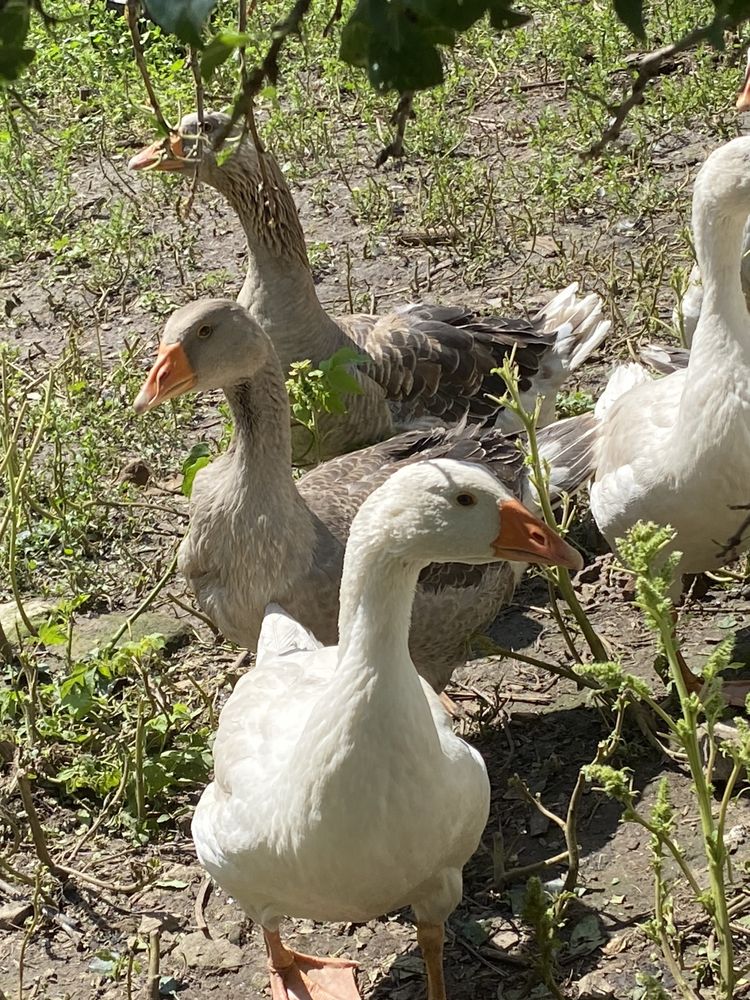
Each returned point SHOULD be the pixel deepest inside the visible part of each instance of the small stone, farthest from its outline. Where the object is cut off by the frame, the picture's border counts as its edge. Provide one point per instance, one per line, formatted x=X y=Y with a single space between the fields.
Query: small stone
x=735 y=836
x=13 y=915
x=505 y=940
x=37 y=611
x=232 y=931
x=158 y=920
x=200 y=952
x=93 y=633
x=594 y=986
x=137 y=472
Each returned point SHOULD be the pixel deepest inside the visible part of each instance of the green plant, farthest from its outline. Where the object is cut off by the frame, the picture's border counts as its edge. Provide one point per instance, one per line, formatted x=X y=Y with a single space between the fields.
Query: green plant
x=314 y=391
x=558 y=576
x=111 y=723
x=644 y=553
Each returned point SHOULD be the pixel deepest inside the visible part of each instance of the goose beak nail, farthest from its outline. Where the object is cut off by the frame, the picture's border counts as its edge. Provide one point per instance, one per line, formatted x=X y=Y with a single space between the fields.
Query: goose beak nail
x=524 y=538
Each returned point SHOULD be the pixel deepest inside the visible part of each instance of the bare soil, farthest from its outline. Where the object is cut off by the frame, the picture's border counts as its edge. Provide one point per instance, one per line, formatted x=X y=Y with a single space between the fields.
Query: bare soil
x=524 y=720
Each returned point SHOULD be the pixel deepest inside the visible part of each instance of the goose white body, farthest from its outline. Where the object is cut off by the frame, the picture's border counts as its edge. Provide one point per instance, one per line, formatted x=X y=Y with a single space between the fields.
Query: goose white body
x=355 y=800
x=677 y=450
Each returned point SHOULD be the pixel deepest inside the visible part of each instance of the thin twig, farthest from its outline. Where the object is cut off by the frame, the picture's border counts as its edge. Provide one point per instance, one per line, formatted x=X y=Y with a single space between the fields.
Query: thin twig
x=488 y=647
x=649 y=67
x=131 y=16
x=30 y=929
x=523 y=871
x=200 y=904
x=109 y=803
x=152 y=985
x=267 y=70
x=404 y=111
x=336 y=16
x=192 y=611
x=62 y=872
x=242 y=28
x=143 y=606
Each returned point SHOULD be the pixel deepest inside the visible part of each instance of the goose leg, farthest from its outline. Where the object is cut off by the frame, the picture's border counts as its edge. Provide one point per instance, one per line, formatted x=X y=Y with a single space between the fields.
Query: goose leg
x=734 y=692
x=430 y=938
x=303 y=977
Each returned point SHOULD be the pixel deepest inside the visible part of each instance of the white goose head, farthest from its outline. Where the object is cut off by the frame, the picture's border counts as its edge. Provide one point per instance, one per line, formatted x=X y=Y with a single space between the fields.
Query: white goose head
x=722 y=187
x=449 y=511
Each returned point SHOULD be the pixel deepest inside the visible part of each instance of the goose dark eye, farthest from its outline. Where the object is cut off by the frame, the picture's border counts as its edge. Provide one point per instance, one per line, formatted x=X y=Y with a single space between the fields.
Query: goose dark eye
x=204 y=331
x=466 y=499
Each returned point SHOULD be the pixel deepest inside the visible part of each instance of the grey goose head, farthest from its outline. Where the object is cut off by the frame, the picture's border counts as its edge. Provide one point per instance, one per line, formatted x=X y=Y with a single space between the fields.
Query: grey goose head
x=190 y=147
x=208 y=344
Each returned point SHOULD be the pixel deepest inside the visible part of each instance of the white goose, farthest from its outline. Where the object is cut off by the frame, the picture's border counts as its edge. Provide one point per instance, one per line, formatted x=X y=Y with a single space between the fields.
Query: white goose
x=676 y=450
x=687 y=311
x=340 y=791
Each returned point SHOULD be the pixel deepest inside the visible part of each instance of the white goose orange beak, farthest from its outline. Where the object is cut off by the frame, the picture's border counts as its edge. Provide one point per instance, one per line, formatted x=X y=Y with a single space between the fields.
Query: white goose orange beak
x=170 y=376
x=524 y=538
x=165 y=154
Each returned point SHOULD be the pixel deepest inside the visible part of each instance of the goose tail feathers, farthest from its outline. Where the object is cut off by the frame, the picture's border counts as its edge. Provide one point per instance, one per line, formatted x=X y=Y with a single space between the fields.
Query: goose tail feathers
x=569 y=448
x=579 y=324
x=281 y=634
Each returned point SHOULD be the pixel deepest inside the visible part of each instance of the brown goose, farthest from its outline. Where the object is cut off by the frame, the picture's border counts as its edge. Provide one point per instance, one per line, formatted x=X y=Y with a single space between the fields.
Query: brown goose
x=426 y=363
x=256 y=536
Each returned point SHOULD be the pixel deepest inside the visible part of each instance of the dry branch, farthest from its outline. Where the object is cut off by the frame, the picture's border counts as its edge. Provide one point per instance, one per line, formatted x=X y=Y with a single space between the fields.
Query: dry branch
x=402 y=114
x=267 y=70
x=649 y=66
x=131 y=16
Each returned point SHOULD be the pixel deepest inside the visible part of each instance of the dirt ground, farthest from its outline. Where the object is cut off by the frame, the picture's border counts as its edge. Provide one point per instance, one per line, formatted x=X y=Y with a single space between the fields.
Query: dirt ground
x=524 y=720
x=531 y=724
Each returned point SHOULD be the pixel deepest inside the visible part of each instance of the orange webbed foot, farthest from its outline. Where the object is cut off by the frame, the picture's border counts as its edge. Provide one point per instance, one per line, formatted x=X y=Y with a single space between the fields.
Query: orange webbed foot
x=295 y=976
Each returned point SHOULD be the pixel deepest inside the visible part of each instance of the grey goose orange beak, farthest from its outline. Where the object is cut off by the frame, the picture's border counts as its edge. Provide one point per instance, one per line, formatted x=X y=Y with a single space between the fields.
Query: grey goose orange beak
x=170 y=376
x=167 y=153
x=524 y=538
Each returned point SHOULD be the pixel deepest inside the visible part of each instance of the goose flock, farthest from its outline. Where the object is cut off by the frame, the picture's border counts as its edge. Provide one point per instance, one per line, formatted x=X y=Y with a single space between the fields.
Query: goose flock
x=340 y=790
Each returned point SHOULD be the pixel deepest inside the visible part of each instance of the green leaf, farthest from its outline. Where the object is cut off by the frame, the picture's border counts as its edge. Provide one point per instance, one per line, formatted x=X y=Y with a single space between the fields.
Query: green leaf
x=53 y=635
x=504 y=18
x=14 y=27
x=396 y=42
x=630 y=12
x=13 y=61
x=184 y=18
x=219 y=49
x=198 y=457
x=342 y=381
x=586 y=936
x=344 y=356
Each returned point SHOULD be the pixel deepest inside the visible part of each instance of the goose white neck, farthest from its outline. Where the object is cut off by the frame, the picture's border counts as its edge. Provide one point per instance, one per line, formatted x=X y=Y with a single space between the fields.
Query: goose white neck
x=719 y=242
x=377 y=594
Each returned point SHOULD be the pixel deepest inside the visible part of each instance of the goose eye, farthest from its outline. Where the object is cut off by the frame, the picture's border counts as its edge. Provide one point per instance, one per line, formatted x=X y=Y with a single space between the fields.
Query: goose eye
x=204 y=331
x=466 y=499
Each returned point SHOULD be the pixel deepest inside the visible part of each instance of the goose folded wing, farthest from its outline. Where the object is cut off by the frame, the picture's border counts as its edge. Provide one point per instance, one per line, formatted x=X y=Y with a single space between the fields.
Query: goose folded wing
x=335 y=490
x=439 y=361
